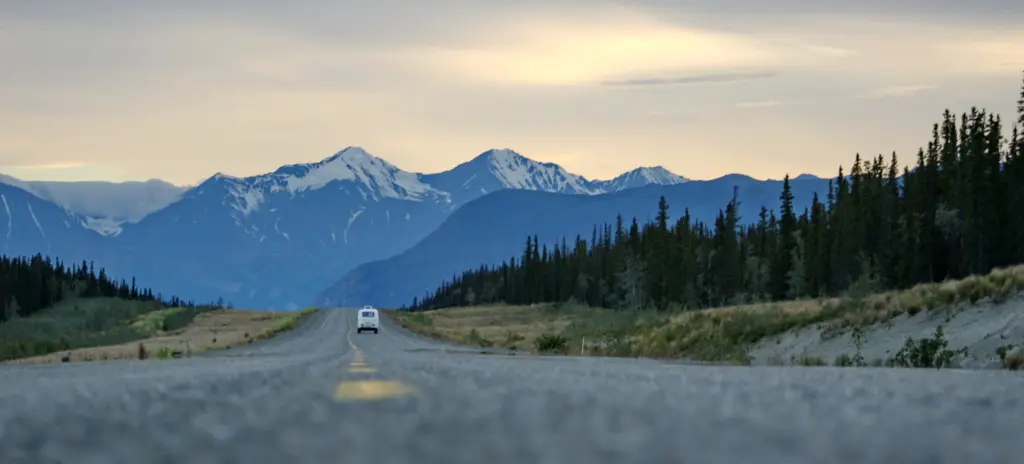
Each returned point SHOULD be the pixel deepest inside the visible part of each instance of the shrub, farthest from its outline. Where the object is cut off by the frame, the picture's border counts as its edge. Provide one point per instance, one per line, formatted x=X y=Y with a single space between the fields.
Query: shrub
x=1012 y=357
x=927 y=352
x=551 y=343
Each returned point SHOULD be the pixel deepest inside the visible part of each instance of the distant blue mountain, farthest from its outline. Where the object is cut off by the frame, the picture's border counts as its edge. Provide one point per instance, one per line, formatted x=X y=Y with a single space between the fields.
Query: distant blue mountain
x=494 y=228
x=276 y=240
x=30 y=225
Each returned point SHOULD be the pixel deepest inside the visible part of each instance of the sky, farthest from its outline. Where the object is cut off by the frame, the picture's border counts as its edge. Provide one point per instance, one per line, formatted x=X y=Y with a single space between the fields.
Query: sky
x=119 y=90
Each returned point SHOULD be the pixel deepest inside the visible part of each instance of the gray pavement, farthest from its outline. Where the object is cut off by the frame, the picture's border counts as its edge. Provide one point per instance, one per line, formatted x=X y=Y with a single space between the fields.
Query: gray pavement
x=324 y=394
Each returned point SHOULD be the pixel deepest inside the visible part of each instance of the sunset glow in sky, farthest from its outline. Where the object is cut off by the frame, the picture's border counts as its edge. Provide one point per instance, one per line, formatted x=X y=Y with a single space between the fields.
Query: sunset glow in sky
x=116 y=90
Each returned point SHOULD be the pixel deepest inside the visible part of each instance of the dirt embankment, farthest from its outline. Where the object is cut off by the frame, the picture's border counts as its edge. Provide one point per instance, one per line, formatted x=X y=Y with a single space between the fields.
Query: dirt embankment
x=983 y=329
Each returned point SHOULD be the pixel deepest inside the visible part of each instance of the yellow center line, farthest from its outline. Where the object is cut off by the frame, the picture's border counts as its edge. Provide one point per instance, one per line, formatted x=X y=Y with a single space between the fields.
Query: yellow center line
x=361 y=370
x=370 y=390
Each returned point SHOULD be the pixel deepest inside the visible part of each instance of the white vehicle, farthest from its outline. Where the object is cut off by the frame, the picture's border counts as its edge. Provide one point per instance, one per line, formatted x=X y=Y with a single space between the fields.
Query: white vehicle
x=368 y=320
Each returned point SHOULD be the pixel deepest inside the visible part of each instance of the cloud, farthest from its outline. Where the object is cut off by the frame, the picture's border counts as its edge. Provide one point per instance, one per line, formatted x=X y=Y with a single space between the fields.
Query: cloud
x=54 y=165
x=896 y=91
x=187 y=88
x=603 y=48
x=719 y=78
x=759 y=104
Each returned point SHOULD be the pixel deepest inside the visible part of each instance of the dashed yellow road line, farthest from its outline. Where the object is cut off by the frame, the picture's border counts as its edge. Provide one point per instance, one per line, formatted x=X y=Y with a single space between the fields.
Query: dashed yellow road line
x=361 y=370
x=370 y=390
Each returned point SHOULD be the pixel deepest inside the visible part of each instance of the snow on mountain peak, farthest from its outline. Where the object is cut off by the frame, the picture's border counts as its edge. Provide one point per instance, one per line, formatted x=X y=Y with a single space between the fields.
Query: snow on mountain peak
x=374 y=179
x=657 y=175
x=355 y=164
x=519 y=172
x=646 y=175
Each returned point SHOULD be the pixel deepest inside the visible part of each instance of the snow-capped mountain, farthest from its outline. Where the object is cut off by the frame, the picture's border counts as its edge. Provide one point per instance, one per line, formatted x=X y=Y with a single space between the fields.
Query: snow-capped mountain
x=103 y=206
x=274 y=240
x=499 y=169
x=30 y=225
x=640 y=177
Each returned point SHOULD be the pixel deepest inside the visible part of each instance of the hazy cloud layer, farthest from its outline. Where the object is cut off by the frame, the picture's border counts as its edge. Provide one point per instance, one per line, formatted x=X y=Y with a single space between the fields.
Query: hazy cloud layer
x=183 y=89
x=696 y=79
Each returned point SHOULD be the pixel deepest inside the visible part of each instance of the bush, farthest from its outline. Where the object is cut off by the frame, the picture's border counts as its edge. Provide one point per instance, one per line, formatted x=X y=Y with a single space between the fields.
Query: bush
x=927 y=352
x=551 y=343
x=1012 y=357
x=164 y=352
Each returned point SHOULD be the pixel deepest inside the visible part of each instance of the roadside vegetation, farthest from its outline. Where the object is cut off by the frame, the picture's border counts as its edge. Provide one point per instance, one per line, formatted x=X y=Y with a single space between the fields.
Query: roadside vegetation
x=726 y=335
x=48 y=306
x=52 y=311
x=889 y=241
x=214 y=329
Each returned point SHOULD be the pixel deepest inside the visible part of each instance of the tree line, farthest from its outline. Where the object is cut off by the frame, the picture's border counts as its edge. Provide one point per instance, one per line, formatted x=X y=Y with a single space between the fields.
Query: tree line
x=956 y=212
x=30 y=284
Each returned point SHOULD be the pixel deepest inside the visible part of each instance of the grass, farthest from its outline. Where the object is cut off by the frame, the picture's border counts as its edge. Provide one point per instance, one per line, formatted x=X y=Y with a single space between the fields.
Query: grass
x=717 y=335
x=511 y=327
x=726 y=334
x=77 y=323
x=165 y=320
x=285 y=323
x=209 y=330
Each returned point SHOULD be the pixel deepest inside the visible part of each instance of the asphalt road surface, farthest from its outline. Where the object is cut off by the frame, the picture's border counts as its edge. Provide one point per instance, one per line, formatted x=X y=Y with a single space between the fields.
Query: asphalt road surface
x=323 y=394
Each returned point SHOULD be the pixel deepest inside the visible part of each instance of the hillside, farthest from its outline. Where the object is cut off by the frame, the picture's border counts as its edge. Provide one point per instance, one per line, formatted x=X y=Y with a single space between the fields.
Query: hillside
x=48 y=306
x=493 y=228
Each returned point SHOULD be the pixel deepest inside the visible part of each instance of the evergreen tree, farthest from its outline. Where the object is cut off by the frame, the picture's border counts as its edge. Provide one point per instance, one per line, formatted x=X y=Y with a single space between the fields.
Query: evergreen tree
x=882 y=226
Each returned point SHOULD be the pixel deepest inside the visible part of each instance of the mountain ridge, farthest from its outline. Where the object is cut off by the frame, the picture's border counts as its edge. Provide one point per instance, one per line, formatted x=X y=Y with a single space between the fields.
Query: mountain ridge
x=276 y=239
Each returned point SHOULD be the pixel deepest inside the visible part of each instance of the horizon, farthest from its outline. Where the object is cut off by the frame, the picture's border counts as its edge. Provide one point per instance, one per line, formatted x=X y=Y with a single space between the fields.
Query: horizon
x=108 y=91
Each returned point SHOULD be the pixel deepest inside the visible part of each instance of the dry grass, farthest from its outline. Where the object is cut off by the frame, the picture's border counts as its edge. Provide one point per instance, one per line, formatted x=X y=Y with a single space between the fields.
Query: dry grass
x=217 y=329
x=511 y=327
x=726 y=334
x=720 y=334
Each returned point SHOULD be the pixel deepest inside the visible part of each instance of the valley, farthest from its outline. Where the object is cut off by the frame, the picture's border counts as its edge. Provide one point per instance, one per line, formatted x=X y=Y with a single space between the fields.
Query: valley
x=512 y=232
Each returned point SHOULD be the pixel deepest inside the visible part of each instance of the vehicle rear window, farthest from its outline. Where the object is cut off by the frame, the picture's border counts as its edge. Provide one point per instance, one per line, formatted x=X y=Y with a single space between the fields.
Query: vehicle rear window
x=367 y=313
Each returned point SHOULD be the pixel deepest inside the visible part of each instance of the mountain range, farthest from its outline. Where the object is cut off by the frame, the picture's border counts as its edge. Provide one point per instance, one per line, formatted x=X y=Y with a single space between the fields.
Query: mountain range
x=278 y=239
x=494 y=228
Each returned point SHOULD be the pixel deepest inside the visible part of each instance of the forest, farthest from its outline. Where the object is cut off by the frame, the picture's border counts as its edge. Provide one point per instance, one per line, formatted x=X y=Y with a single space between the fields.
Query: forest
x=954 y=211
x=29 y=285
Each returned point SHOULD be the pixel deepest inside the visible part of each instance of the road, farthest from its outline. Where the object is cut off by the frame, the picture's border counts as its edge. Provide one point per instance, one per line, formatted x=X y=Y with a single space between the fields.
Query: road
x=323 y=394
